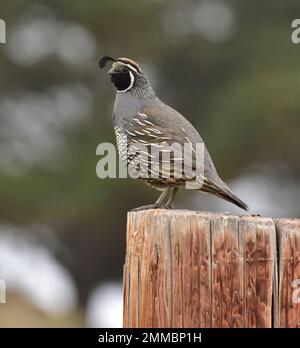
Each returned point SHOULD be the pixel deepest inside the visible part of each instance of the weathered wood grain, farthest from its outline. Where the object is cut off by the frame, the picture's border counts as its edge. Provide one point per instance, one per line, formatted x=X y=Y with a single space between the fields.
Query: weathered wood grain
x=190 y=262
x=191 y=269
x=227 y=272
x=288 y=231
x=258 y=237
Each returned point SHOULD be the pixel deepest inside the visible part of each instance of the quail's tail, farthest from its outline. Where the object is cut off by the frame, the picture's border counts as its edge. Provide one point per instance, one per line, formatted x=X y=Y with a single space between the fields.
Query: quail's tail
x=224 y=193
x=231 y=197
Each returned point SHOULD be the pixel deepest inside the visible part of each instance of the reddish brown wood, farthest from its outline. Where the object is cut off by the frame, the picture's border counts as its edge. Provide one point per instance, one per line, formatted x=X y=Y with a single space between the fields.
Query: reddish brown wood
x=258 y=238
x=190 y=269
x=227 y=272
x=288 y=231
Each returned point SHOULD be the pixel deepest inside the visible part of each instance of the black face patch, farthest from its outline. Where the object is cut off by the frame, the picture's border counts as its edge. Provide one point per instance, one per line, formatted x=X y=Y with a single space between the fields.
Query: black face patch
x=121 y=80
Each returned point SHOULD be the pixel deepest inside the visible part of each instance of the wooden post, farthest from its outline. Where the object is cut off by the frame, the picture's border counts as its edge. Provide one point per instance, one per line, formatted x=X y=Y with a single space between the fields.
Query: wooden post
x=289 y=273
x=191 y=269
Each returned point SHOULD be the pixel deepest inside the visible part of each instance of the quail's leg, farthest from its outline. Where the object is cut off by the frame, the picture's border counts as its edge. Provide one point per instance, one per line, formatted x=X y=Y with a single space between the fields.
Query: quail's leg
x=163 y=198
x=169 y=204
x=160 y=203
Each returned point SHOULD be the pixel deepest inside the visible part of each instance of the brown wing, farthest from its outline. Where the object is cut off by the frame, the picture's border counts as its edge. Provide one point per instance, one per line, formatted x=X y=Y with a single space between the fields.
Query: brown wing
x=163 y=153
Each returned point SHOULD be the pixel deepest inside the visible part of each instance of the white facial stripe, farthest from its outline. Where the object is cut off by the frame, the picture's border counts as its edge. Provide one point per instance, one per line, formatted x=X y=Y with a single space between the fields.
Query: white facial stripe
x=131 y=83
x=129 y=66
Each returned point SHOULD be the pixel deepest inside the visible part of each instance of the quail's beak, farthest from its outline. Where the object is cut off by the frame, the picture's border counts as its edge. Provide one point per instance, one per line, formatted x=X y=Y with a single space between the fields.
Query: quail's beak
x=111 y=71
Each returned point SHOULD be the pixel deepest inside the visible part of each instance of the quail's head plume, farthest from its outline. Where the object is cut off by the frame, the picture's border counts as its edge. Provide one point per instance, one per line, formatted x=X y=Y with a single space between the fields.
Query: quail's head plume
x=146 y=131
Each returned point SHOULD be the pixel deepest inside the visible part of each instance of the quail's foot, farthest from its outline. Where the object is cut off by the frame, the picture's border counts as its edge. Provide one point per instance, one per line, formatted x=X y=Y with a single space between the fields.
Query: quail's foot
x=146 y=207
x=170 y=206
x=153 y=206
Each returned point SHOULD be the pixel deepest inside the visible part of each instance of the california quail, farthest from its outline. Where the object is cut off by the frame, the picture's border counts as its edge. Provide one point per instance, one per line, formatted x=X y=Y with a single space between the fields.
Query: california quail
x=142 y=121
